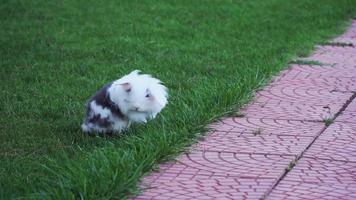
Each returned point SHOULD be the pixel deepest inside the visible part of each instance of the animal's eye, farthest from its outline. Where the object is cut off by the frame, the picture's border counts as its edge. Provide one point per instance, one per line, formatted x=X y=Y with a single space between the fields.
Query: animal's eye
x=148 y=95
x=128 y=90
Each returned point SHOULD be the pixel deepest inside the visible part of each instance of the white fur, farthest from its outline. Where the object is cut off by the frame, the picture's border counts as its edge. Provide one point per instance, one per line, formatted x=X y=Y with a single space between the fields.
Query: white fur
x=119 y=124
x=141 y=85
x=98 y=109
x=135 y=105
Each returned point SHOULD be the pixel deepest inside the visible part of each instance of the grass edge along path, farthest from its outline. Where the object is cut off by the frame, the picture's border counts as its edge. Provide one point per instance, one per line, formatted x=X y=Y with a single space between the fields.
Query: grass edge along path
x=230 y=51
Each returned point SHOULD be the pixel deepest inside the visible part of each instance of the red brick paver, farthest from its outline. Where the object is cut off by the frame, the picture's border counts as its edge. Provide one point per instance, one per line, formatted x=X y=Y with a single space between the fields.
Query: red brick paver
x=259 y=144
x=318 y=179
x=245 y=125
x=334 y=55
x=202 y=187
x=337 y=143
x=349 y=115
x=226 y=164
x=291 y=110
x=280 y=147
x=308 y=73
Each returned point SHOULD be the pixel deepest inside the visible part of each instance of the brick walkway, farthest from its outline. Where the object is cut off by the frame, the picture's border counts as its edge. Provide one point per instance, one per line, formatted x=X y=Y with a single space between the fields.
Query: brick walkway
x=281 y=148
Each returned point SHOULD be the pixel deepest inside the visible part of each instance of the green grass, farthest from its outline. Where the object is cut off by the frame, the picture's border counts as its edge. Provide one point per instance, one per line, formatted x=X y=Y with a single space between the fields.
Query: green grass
x=307 y=62
x=338 y=44
x=328 y=121
x=258 y=131
x=212 y=55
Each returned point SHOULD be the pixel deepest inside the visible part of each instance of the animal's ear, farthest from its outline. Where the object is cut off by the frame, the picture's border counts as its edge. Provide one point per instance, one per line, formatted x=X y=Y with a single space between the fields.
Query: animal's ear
x=135 y=72
x=126 y=86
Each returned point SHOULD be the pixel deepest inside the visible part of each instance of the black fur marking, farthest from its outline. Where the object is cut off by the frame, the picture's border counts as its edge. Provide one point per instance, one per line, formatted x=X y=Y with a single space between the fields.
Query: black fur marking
x=102 y=98
x=102 y=122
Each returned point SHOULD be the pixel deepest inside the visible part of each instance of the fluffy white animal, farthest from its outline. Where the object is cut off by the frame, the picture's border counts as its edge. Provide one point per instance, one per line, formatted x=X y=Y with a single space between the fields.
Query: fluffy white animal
x=133 y=98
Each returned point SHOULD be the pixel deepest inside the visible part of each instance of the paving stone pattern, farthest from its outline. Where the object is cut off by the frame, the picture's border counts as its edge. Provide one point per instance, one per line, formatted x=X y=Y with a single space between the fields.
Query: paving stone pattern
x=283 y=145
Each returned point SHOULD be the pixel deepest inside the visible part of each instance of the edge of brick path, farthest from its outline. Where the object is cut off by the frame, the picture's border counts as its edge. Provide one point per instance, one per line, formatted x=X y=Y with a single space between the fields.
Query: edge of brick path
x=283 y=146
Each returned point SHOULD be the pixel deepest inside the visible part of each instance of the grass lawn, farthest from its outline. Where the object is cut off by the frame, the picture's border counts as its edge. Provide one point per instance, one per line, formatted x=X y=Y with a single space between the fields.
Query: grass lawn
x=211 y=54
